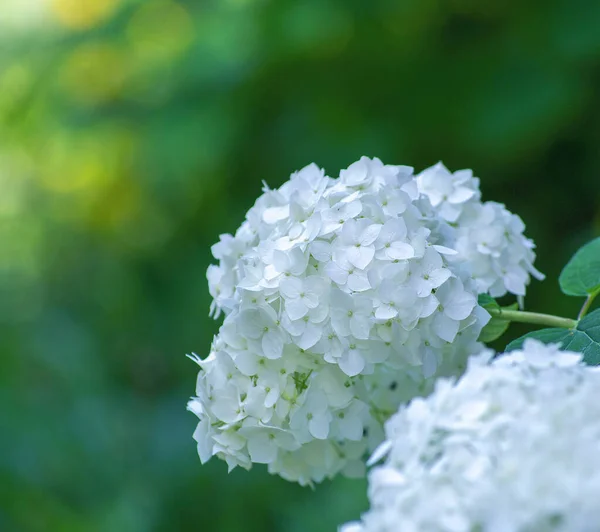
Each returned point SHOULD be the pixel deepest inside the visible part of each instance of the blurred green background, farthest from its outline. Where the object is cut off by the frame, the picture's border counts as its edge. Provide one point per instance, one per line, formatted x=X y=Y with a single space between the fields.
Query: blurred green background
x=134 y=132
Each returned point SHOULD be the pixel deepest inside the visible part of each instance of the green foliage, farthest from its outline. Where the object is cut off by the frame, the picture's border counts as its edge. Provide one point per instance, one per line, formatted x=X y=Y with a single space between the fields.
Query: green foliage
x=581 y=275
x=585 y=338
x=487 y=301
x=496 y=327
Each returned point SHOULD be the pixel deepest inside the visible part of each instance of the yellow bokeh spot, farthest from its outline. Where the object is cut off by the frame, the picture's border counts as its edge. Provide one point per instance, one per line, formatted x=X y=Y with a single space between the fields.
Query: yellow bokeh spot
x=86 y=162
x=160 y=30
x=88 y=176
x=83 y=14
x=94 y=73
x=116 y=207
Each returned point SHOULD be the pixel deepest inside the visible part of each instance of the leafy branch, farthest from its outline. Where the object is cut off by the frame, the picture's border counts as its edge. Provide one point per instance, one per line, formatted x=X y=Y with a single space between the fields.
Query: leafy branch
x=580 y=278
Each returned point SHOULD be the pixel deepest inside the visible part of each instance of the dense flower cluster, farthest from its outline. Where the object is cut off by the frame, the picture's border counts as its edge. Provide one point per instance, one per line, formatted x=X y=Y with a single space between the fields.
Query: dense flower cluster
x=342 y=298
x=511 y=446
x=486 y=235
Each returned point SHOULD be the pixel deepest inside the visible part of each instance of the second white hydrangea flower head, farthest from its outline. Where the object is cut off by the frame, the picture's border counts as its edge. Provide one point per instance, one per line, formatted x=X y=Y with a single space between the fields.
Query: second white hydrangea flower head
x=511 y=446
x=342 y=298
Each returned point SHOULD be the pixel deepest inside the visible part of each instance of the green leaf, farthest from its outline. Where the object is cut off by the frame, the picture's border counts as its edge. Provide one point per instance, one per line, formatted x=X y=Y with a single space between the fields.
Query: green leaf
x=487 y=301
x=496 y=327
x=584 y=339
x=581 y=275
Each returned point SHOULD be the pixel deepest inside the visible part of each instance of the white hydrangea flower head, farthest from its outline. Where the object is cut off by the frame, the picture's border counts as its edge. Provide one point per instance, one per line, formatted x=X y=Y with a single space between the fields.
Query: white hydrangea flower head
x=487 y=236
x=342 y=299
x=513 y=445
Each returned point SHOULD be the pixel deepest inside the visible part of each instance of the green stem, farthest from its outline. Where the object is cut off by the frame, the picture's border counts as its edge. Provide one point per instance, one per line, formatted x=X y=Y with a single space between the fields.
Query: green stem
x=533 y=317
x=588 y=303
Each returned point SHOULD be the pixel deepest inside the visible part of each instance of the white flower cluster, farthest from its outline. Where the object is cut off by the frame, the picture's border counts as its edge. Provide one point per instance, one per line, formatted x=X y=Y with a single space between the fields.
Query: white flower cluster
x=343 y=298
x=486 y=235
x=513 y=445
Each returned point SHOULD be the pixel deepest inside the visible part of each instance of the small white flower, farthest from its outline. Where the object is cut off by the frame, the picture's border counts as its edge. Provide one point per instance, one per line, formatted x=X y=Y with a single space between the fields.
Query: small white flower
x=395 y=300
x=286 y=263
x=351 y=315
x=447 y=191
x=353 y=358
x=391 y=243
x=264 y=442
x=356 y=243
x=357 y=174
x=308 y=330
x=429 y=273
x=302 y=295
x=455 y=305
x=345 y=274
x=349 y=422
x=335 y=217
x=262 y=325
x=313 y=416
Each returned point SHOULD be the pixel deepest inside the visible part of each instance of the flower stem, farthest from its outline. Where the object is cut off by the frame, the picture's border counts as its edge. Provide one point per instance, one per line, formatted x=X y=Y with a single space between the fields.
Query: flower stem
x=533 y=317
x=588 y=303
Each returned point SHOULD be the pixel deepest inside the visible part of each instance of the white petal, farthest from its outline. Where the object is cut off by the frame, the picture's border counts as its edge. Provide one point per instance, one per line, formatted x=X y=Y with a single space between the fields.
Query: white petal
x=514 y=284
x=291 y=287
x=352 y=209
x=251 y=323
x=444 y=250
x=315 y=285
x=340 y=322
x=460 y=306
x=335 y=273
x=429 y=306
x=370 y=234
x=296 y=308
x=445 y=327
x=317 y=315
x=360 y=326
x=286 y=440
x=311 y=300
x=351 y=427
x=355 y=174
x=460 y=195
x=358 y=281
x=439 y=276
x=312 y=334
x=281 y=261
x=431 y=260
x=276 y=214
x=351 y=363
x=429 y=364
x=360 y=256
x=247 y=363
x=400 y=251
x=422 y=287
x=272 y=345
x=271 y=397
x=381 y=452
x=204 y=439
x=385 y=312
x=319 y=426
x=262 y=450
x=294 y=327
x=321 y=250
